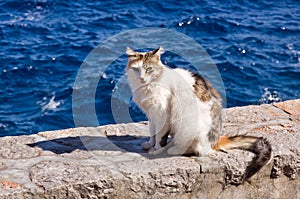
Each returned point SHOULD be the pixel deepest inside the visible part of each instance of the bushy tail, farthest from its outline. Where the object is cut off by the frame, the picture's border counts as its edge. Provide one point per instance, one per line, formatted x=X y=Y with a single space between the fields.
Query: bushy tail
x=257 y=145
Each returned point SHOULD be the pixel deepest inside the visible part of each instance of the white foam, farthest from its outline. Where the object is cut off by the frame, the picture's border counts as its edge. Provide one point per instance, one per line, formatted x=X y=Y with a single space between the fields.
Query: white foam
x=51 y=105
x=269 y=97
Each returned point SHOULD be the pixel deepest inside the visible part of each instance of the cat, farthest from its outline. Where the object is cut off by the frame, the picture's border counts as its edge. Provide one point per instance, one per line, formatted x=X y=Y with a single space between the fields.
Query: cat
x=184 y=106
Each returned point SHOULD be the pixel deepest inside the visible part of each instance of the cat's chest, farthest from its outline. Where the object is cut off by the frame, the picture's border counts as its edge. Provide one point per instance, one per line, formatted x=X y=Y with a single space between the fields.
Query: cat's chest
x=152 y=94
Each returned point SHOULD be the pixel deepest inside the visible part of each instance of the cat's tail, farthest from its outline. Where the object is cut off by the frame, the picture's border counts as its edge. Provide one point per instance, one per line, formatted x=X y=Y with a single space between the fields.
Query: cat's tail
x=257 y=145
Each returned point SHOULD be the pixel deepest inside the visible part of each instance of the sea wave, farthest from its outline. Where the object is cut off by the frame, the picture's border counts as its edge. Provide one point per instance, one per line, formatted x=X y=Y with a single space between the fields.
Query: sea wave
x=255 y=46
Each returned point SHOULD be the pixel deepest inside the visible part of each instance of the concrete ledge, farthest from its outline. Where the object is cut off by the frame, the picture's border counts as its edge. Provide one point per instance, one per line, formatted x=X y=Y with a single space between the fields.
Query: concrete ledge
x=108 y=162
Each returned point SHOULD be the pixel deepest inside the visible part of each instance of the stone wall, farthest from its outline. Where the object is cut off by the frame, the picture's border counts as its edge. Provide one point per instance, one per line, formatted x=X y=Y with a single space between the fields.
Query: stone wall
x=108 y=162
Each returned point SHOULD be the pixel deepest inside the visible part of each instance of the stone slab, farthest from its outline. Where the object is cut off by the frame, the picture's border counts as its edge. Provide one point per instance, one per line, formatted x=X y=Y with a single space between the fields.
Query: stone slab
x=108 y=162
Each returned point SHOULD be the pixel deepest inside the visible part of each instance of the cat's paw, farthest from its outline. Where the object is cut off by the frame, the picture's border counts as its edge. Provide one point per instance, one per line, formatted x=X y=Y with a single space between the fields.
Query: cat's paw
x=147 y=145
x=153 y=151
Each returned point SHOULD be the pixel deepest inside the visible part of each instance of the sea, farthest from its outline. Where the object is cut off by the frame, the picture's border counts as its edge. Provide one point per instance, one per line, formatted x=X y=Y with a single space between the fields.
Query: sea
x=255 y=46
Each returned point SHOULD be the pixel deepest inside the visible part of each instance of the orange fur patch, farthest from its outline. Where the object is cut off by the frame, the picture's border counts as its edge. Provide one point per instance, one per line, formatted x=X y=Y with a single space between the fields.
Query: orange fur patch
x=223 y=141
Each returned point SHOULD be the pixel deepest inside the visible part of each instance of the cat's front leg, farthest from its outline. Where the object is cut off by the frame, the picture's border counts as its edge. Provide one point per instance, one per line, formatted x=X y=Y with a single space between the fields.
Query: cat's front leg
x=160 y=142
x=162 y=128
x=159 y=126
x=149 y=144
x=161 y=138
x=157 y=139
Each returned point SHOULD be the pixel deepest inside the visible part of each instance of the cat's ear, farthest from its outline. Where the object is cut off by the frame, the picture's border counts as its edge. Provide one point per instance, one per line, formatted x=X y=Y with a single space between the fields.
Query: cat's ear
x=156 y=54
x=158 y=51
x=129 y=51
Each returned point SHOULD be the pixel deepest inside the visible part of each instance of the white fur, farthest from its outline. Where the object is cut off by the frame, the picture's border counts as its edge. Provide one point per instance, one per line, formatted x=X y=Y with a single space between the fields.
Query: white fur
x=170 y=104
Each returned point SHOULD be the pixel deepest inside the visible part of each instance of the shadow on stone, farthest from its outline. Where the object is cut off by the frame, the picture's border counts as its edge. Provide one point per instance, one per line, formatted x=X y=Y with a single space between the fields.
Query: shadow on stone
x=126 y=143
x=99 y=144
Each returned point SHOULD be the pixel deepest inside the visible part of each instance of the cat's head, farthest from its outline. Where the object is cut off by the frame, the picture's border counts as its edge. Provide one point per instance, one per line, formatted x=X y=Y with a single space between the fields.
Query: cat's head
x=146 y=66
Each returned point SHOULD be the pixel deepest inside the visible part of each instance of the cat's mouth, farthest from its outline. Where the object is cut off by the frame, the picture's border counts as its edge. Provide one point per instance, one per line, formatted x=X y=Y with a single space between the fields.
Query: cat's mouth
x=143 y=81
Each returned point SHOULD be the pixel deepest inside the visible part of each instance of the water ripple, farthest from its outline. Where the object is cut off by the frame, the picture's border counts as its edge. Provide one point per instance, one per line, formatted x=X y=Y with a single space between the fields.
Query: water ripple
x=255 y=45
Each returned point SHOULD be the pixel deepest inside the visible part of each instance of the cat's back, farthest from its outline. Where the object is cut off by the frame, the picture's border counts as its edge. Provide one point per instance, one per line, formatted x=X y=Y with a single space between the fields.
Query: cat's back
x=182 y=79
x=185 y=74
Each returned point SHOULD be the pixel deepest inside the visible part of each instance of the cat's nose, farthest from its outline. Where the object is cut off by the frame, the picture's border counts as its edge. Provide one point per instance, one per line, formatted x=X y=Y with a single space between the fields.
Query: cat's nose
x=142 y=79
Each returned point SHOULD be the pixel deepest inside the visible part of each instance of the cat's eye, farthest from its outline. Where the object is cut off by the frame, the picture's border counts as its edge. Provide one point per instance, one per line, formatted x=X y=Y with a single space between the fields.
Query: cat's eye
x=149 y=70
x=135 y=69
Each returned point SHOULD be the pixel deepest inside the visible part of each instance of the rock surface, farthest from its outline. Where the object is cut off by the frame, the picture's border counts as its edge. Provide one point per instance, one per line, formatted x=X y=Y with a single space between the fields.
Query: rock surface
x=108 y=162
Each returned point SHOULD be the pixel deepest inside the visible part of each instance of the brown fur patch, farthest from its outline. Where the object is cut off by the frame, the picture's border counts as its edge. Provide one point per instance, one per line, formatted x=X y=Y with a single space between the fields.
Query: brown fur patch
x=201 y=88
x=132 y=59
x=146 y=58
x=205 y=92
x=213 y=91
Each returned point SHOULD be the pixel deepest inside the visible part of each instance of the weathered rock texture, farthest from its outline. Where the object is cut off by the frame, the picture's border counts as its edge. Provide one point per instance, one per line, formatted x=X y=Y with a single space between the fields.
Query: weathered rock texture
x=108 y=162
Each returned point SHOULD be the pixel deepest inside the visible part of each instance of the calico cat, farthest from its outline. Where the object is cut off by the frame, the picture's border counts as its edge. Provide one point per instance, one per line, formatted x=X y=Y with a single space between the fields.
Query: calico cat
x=184 y=106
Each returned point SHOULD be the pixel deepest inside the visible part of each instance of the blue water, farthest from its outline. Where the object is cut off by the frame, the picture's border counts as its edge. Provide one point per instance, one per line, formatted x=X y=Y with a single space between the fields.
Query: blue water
x=255 y=45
